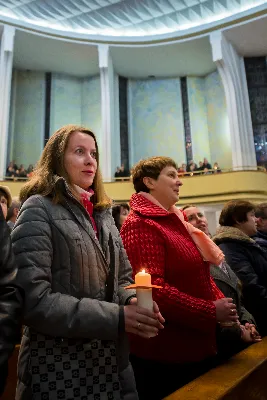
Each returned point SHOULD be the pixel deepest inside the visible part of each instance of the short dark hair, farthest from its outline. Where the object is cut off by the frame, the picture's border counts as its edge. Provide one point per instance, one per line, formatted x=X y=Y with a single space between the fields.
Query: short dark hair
x=235 y=211
x=151 y=168
x=116 y=210
x=187 y=206
x=261 y=210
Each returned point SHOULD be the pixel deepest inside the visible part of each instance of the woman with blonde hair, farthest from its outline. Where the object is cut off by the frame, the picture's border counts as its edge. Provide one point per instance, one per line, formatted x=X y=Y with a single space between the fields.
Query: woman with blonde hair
x=73 y=269
x=177 y=255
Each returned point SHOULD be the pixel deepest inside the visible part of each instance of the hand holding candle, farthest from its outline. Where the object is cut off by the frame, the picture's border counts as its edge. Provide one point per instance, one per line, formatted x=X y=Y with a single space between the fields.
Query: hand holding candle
x=147 y=320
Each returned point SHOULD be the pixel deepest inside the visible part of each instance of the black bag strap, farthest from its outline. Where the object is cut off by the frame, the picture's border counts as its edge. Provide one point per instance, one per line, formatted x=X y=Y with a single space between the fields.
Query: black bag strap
x=111 y=275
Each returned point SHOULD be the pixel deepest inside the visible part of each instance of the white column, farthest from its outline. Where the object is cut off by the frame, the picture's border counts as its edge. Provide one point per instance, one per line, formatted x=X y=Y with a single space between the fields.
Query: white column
x=232 y=71
x=110 y=114
x=6 y=62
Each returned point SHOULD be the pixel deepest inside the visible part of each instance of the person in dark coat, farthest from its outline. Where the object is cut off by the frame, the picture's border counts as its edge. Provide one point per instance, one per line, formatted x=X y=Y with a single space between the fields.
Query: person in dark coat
x=245 y=257
x=261 y=235
x=74 y=270
x=230 y=339
x=10 y=301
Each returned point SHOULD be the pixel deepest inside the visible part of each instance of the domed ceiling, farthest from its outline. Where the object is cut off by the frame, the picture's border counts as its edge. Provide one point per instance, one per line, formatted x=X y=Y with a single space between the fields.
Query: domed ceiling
x=122 y=17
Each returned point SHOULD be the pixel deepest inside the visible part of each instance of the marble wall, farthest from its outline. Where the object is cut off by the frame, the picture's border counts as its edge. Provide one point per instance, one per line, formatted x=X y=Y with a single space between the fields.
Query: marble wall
x=156 y=119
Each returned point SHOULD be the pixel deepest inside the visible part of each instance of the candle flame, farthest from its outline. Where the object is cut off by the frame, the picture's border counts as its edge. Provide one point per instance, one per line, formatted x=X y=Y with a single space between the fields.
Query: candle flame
x=143 y=271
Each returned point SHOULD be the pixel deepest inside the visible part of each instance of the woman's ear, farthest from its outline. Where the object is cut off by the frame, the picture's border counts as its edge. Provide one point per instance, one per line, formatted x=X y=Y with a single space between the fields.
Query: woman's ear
x=149 y=182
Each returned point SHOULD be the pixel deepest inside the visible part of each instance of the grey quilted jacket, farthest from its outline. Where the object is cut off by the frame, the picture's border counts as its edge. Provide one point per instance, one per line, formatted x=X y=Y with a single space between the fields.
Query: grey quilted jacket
x=63 y=269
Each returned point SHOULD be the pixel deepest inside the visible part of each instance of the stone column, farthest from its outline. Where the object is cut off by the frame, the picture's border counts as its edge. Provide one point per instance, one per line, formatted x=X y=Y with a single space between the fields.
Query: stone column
x=232 y=71
x=6 y=63
x=110 y=157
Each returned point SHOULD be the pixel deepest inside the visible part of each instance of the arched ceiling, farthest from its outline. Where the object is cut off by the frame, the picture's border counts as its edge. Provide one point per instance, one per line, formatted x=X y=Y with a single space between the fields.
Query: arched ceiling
x=136 y=18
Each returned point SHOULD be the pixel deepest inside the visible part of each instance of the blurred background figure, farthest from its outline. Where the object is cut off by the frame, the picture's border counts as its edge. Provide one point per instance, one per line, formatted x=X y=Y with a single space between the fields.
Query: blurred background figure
x=5 y=199
x=245 y=257
x=12 y=213
x=261 y=235
x=232 y=339
x=120 y=213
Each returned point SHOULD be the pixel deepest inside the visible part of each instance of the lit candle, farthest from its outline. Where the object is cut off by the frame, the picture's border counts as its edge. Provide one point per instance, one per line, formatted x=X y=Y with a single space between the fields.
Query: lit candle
x=143 y=278
x=144 y=294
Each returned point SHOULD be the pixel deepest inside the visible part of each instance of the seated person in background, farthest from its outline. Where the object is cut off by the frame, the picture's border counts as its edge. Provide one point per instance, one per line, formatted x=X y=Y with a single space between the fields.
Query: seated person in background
x=192 y=166
x=216 y=168
x=10 y=297
x=13 y=213
x=117 y=173
x=22 y=173
x=182 y=170
x=11 y=171
x=157 y=238
x=192 y=169
x=120 y=213
x=245 y=257
x=200 y=168
x=206 y=164
x=121 y=172
x=261 y=235
x=230 y=339
x=206 y=171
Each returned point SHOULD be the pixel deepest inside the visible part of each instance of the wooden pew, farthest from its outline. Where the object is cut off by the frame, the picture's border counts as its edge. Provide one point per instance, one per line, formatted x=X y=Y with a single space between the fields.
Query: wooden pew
x=243 y=377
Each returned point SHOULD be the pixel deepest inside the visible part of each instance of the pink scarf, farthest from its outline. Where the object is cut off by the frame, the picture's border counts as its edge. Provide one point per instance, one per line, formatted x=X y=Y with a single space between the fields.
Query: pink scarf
x=207 y=248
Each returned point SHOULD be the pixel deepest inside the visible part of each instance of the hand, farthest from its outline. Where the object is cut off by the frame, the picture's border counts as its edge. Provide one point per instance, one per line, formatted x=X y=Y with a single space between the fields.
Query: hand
x=225 y=310
x=141 y=321
x=155 y=309
x=246 y=334
x=253 y=331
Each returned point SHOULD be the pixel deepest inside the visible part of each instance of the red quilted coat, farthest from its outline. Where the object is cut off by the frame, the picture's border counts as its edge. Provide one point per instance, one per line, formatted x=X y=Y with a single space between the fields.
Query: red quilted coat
x=158 y=241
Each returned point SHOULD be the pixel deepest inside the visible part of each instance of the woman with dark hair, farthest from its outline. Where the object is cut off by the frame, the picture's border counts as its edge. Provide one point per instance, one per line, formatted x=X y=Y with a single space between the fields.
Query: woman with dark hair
x=120 y=213
x=73 y=269
x=246 y=258
x=157 y=238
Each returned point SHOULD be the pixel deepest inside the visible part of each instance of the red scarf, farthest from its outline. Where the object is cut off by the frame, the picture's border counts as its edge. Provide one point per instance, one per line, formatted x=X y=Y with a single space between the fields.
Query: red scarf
x=88 y=205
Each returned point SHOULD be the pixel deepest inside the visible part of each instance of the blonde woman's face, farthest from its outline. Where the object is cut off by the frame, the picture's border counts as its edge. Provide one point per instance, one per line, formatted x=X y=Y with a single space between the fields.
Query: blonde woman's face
x=80 y=160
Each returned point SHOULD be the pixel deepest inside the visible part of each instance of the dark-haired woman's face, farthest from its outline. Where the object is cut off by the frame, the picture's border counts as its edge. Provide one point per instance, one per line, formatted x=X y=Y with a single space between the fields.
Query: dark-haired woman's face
x=123 y=215
x=250 y=226
x=80 y=159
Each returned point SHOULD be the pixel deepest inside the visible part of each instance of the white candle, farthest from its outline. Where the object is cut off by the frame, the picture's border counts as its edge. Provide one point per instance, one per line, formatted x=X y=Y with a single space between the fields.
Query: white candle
x=144 y=295
x=144 y=298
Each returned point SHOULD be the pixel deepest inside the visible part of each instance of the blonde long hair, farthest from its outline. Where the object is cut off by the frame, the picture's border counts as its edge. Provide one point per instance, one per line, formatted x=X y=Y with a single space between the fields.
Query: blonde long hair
x=50 y=168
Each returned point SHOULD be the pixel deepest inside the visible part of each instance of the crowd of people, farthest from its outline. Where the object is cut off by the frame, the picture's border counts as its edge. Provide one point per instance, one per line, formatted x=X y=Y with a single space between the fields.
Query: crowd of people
x=203 y=168
x=14 y=172
x=67 y=276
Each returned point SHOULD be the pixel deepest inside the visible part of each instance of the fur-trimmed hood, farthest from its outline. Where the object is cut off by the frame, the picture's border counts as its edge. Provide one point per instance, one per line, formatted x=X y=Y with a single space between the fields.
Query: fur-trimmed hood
x=229 y=233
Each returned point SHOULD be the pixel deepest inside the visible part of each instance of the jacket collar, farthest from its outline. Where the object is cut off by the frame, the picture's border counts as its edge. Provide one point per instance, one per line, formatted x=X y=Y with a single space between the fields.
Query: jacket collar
x=143 y=206
x=225 y=233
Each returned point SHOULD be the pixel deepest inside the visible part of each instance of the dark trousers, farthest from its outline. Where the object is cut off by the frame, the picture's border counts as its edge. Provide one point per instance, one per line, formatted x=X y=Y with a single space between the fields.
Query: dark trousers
x=156 y=380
